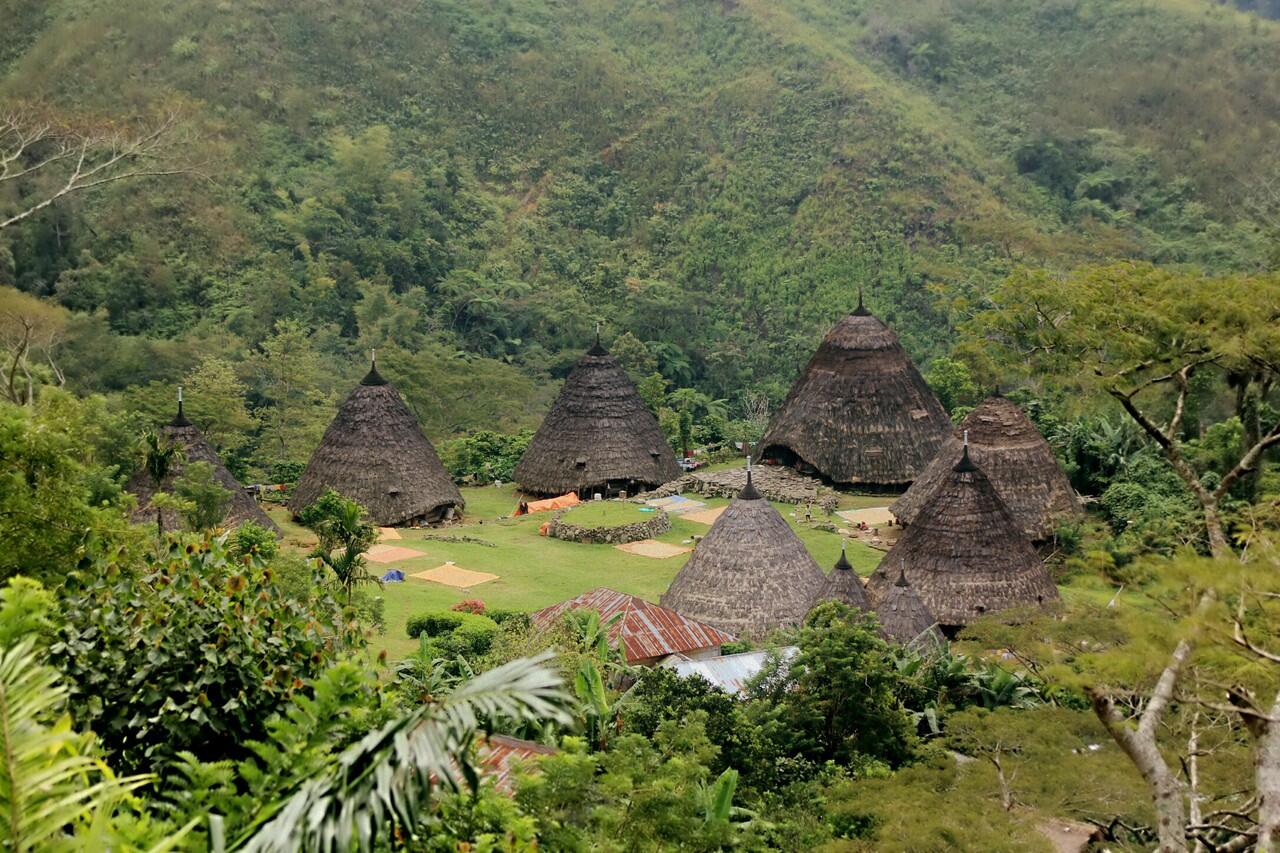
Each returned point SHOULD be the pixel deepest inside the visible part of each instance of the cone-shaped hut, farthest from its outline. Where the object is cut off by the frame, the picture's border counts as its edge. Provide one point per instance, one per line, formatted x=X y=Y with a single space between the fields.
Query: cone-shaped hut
x=860 y=412
x=750 y=574
x=1015 y=457
x=905 y=618
x=599 y=436
x=374 y=452
x=195 y=448
x=844 y=585
x=966 y=555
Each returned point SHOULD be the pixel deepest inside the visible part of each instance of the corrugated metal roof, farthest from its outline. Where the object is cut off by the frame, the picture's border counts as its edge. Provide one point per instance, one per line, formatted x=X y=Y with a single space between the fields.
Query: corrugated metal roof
x=731 y=672
x=499 y=754
x=646 y=630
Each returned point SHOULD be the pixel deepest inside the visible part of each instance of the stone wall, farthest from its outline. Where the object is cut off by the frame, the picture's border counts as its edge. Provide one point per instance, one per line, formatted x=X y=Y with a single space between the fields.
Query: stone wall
x=616 y=535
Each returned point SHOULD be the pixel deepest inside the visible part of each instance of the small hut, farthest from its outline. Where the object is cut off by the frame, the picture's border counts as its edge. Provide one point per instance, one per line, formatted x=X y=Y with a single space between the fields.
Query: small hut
x=860 y=413
x=598 y=437
x=374 y=452
x=905 y=618
x=1009 y=449
x=844 y=585
x=195 y=448
x=965 y=554
x=750 y=574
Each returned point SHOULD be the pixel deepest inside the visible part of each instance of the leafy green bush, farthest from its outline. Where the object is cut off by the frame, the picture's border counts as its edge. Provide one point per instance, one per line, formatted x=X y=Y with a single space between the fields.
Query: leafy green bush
x=512 y=618
x=208 y=498
x=251 y=539
x=190 y=652
x=485 y=456
x=451 y=633
x=434 y=624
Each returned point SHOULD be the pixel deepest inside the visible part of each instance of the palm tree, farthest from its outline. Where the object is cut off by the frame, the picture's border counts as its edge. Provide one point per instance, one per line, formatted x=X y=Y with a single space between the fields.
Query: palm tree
x=159 y=458
x=54 y=793
x=387 y=779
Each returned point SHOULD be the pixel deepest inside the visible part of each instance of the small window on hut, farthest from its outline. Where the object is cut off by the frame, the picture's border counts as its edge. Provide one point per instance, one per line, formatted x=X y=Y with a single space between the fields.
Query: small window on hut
x=980 y=608
x=918 y=414
x=654 y=453
x=581 y=462
x=394 y=490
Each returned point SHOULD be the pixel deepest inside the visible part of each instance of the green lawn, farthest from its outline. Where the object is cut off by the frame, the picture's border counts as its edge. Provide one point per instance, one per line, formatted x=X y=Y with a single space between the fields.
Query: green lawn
x=535 y=571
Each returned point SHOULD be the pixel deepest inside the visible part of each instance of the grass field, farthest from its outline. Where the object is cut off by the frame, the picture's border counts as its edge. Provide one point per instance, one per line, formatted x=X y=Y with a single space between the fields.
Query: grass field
x=535 y=571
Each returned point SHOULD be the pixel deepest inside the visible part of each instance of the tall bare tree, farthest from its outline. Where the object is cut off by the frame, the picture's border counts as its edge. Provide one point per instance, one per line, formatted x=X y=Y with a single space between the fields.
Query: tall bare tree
x=44 y=159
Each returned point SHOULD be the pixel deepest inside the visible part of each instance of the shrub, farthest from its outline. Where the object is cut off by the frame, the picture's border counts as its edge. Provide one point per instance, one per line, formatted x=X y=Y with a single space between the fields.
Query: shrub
x=510 y=618
x=432 y=624
x=453 y=634
x=190 y=652
x=252 y=539
x=470 y=605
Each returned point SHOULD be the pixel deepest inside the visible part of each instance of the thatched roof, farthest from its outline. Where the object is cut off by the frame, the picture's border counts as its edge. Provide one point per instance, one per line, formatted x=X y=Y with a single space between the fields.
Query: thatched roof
x=965 y=554
x=860 y=412
x=1015 y=457
x=374 y=452
x=904 y=617
x=750 y=574
x=844 y=585
x=598 y=436
x=195 y=448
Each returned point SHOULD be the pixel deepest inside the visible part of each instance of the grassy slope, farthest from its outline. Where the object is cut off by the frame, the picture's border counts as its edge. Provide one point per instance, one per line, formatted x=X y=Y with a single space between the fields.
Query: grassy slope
x=535 y=571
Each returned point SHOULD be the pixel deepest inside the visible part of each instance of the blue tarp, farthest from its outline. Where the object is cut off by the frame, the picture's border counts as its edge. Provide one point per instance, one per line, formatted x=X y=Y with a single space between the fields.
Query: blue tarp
x=393 y=576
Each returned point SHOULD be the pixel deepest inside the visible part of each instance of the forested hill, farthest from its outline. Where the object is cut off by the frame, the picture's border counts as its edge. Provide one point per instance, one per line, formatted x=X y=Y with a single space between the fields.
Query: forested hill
x=472 y=185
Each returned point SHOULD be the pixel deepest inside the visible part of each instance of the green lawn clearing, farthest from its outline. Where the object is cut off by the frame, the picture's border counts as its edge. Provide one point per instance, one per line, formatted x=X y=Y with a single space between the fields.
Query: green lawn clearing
x=535 y=571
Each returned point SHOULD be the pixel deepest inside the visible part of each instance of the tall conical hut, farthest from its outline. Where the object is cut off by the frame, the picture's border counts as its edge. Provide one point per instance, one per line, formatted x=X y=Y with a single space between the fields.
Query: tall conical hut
x=750 y=574
x=374 y=452
x=966 y=555
x=1006 y=445
x=905 y=618
x=195 y=448
x=844 y=585
x=860 y=413
x=598 y=437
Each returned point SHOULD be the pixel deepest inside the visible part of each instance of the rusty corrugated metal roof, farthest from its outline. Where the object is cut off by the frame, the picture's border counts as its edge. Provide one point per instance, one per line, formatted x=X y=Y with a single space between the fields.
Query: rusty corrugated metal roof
x=731 y=672
x=646 y=630
x=500 y=753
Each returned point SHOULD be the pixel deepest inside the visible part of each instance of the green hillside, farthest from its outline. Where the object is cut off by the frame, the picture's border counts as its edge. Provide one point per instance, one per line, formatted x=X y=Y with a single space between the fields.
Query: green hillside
x=471 y=186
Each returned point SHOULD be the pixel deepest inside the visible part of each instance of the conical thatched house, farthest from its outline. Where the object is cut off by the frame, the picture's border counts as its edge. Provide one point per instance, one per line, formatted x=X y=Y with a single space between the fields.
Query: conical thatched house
x=844 y=585
x=905 y=618
x=750 y=574
x=195 y=448
x=599 y=436
x=860 y=412
x=1015 y=457
x=375 y=453
x=966 y=555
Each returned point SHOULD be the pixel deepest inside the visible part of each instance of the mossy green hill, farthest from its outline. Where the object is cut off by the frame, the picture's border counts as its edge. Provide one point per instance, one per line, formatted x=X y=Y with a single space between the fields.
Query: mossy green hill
x=713 y=177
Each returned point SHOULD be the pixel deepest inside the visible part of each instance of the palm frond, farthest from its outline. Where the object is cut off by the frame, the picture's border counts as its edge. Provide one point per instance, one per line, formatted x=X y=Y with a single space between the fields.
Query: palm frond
x=389 y=775
x=46 y=779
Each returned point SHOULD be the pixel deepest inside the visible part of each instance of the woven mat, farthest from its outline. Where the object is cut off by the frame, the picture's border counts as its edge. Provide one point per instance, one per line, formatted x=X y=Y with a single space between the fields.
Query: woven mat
x=386 y=534
x=871 y=515
x=653 y=548
x=704 y=516
x=392 y=554
x=451 y=575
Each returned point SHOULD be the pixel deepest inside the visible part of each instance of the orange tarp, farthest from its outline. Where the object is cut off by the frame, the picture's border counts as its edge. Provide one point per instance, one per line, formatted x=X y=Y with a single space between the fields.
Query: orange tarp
x=562 y=502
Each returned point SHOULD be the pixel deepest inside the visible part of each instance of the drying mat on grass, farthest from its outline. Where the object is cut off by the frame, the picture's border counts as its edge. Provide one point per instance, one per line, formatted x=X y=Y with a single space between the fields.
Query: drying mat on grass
x=652 y=548
x=871 y=515
x=386 y=534
x=392 y=553
x=704 y=516
x=451 y=575
x=677 y=504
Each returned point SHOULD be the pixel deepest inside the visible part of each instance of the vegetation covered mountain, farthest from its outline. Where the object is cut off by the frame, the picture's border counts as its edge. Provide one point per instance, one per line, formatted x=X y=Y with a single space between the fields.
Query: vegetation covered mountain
x=483 y=181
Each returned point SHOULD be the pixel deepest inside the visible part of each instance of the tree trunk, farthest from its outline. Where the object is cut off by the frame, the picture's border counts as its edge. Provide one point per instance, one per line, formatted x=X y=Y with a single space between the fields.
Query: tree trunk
x=159 y=525
x=1266 y=765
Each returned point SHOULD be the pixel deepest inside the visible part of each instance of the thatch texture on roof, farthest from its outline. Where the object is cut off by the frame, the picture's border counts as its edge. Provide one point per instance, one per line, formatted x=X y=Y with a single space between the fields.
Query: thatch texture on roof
x=844 y=585
x=905 y=618
x=860 y=412
x=599 y=436
x=749 y=575
x=375 y=453
x=1006 y=445
x=965 y=554
x=195 y=448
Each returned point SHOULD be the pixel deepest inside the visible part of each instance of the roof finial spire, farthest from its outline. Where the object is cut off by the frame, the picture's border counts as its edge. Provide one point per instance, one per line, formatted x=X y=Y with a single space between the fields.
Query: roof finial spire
x=373 y=377
x=843 y=563
x=597 y=333
x=965 y=463
x=861 y=310
x=749 y=492
x=180 y=419
x=902 y=574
